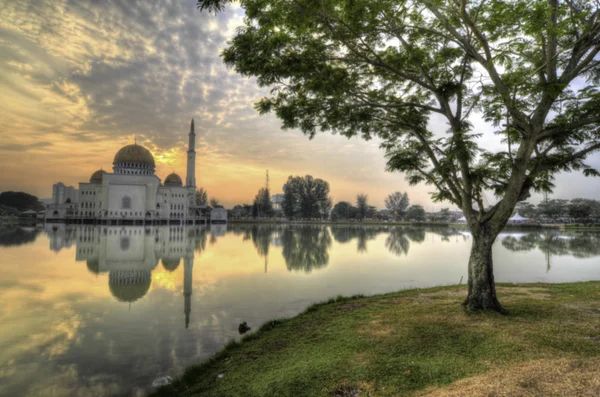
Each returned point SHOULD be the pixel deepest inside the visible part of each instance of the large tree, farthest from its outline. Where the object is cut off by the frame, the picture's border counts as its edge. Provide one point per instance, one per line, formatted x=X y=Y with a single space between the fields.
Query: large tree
x=386 y=68
x=362 y=205
x=201 y=197
x=263 y=204
x=397 y=203
x=21 y=201
x=306 y=197
x=343 y=210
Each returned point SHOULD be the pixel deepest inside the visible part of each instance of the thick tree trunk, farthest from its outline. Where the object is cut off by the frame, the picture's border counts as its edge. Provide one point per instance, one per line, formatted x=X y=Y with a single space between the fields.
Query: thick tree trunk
x=482 y=289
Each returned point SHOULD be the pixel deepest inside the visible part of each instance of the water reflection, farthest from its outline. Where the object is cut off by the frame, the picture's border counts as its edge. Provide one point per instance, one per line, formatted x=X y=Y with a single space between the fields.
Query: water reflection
x=583 y=245
x=129 y=254
x=398 y=238
x=106 y=310
x=17 y=236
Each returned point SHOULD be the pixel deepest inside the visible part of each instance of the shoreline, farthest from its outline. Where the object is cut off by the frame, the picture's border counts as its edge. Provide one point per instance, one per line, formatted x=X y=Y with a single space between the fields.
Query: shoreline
x=415 y=343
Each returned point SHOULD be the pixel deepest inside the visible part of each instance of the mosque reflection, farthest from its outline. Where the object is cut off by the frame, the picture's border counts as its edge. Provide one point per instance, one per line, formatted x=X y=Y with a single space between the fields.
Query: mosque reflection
x=130 y=254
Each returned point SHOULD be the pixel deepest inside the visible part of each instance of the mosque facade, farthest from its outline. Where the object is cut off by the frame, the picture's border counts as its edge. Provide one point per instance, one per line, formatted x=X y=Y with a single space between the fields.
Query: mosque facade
x=134 y=194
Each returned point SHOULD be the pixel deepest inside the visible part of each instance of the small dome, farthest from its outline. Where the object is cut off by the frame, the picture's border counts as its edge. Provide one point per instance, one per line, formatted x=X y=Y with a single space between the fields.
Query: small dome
x=93 y=266
x=173 y=179
x=97 y=176
x=134 y=154
x=171 y=264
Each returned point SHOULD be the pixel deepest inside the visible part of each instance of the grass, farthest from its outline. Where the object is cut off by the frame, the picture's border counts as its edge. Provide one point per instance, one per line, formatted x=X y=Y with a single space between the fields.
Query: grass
x=416 y=343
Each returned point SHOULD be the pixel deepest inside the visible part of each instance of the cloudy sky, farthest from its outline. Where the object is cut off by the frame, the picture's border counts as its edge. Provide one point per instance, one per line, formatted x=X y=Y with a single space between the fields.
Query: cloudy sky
x=82 y=78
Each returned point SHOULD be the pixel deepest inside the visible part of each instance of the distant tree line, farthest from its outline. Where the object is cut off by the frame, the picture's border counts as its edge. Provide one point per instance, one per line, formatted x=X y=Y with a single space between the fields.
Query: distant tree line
x=578 y=209
x=20 y=201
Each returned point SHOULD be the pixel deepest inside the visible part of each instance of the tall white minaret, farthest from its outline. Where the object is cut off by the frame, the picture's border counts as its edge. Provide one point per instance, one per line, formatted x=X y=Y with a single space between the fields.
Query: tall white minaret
x=190 y=179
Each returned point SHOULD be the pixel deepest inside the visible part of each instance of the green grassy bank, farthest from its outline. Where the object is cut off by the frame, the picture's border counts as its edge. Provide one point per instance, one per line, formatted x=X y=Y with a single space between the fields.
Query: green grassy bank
x=417 y=343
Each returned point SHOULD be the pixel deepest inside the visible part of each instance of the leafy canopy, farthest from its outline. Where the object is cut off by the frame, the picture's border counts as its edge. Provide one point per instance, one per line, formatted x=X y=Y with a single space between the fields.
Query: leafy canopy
x=386 y=68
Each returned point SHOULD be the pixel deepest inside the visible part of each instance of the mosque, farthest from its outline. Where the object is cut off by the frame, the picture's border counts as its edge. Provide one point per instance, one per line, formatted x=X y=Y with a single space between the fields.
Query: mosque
x=133 y=194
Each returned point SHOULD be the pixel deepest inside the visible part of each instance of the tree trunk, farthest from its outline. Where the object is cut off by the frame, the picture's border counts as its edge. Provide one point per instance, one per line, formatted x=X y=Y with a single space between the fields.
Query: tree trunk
x=482 y=289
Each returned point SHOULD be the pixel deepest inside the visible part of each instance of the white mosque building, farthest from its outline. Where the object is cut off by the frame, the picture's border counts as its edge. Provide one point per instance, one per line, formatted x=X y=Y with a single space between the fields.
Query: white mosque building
x=133 y=194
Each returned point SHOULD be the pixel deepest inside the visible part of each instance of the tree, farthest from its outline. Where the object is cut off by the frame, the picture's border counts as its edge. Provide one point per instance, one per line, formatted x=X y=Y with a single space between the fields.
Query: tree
x=397 y=203
x=362 y=205
x=343 y=210
x=526 y=209
x=581 y=208
x=263 y=204
x=415 y=213
x=201 y=197
x=306 y=197
x=214 y=202
x=21 y=201
x=384 y=68
x=554 y=208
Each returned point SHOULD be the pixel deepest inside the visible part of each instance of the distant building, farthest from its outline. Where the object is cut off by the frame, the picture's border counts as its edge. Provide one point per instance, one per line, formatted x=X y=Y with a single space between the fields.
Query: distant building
x=62 y=194
x=277 y=201
x=132 y=193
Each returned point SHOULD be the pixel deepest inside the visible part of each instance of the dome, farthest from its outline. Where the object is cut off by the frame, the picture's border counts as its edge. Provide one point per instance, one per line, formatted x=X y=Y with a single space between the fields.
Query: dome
x=173 y=179
x=97 y=177
x=93 y=266
x=134 y=154
x=129 y=285
x=171 y=264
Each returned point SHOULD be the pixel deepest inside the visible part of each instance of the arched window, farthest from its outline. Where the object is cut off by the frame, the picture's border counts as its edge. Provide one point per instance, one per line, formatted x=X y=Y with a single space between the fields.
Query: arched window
x=126 y=202
x=124 y=243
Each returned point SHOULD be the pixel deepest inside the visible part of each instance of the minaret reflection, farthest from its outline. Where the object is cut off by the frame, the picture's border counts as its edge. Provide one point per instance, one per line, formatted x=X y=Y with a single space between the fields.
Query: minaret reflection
x=187 y=287
x=130 y=254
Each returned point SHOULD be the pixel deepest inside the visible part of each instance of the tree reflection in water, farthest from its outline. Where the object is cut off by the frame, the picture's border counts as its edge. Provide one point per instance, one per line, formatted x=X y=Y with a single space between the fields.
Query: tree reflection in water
x=397 y=241
x=581 y=245
x=17 y=236
x=306 y=247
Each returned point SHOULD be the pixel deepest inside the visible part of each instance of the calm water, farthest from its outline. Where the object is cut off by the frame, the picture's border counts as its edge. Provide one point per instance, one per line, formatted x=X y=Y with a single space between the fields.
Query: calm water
x=102 y=311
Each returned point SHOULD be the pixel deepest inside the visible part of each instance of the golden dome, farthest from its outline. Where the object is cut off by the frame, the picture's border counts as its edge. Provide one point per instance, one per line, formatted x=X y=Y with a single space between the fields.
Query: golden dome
x=97 y=176
x=170 y=264
x=134 y=154
x=173 y=178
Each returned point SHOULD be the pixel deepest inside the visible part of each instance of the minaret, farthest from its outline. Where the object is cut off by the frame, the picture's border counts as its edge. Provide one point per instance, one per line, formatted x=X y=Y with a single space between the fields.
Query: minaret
x=188 y=267
x=190 y=180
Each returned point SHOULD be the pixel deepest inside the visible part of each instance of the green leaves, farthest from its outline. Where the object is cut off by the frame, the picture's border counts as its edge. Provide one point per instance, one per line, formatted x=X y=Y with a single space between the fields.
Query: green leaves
x=382 y=68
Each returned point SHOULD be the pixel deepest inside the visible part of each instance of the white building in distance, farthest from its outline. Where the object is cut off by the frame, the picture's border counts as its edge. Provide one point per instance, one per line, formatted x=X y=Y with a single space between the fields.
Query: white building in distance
x=133 y=194
x=62 y=194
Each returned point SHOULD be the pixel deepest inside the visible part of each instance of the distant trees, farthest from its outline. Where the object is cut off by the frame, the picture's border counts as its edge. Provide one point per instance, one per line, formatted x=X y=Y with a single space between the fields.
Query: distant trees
x=397 y=203
x=214 y=202
x=577 y=209
x=306 y=197
x=201 y=197
x=262 y=205
x=362 y=205
x=21 y=201
x=343 y=210
x=415 y=213
x=242 y=211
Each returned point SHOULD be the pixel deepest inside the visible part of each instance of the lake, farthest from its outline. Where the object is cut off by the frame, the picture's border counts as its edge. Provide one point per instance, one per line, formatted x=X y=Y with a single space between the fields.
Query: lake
x=103 y=311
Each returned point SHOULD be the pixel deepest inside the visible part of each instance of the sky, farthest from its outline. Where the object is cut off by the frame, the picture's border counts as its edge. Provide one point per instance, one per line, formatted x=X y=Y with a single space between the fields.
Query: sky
x=82 y=78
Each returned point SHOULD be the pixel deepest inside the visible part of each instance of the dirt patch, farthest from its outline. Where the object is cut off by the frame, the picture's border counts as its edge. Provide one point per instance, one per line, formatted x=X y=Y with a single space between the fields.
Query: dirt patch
x=377 y=328
x=584 y=308
x=517 y=293
x=534 y=379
